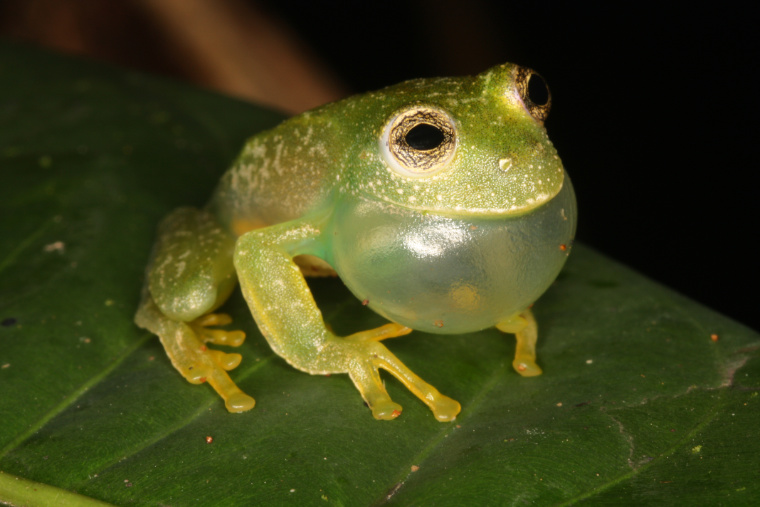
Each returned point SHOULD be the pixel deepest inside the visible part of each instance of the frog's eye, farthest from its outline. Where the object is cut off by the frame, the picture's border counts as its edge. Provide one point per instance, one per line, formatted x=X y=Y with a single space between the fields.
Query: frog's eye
x=419 y=141
x=534 y=93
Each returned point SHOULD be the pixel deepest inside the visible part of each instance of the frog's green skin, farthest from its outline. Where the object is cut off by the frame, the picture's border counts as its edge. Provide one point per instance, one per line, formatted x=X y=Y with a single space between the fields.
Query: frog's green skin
x=458 y=229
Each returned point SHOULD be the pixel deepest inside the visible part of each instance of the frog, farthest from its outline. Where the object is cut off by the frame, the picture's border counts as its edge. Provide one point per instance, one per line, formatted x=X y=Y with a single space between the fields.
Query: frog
x=440 y=203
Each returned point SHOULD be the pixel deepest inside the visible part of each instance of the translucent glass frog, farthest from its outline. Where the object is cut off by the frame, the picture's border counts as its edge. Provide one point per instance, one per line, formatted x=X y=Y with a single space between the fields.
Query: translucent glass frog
x=440 y=203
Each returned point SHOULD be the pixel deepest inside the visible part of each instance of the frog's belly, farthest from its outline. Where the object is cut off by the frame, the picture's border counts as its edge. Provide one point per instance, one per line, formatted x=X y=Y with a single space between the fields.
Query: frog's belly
x=450 y=275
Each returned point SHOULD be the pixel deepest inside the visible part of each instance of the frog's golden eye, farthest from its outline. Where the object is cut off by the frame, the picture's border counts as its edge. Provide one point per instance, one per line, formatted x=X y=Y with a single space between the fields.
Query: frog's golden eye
x=419 y=141
x=534 y=93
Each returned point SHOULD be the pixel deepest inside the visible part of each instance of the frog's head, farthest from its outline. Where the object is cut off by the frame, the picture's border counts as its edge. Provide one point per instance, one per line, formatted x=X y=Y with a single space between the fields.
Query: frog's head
x=463 y=146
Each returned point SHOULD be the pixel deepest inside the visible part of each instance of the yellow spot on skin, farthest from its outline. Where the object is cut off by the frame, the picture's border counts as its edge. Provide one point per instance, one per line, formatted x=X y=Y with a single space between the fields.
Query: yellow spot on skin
x=466 y=297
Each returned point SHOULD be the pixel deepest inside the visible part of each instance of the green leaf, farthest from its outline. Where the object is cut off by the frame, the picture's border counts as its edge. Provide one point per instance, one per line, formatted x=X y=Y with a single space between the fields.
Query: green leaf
x=637 y=403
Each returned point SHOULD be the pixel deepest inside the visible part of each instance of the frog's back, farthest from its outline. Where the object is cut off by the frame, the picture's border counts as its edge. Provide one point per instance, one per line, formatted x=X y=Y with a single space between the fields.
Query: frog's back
x=280 y=175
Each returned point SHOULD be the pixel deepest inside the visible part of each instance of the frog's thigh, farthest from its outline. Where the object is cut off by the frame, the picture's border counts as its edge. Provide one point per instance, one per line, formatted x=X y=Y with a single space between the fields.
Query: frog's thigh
x=191 y=271
x=524 y=326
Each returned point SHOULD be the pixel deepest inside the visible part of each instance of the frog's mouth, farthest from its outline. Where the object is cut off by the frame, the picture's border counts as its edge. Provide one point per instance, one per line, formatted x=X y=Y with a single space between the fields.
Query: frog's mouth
x=475 y=206
x=512 y=210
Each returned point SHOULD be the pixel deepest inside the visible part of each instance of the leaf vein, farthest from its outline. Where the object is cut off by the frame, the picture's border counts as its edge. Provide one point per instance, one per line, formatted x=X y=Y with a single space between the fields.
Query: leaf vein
x=71 y=398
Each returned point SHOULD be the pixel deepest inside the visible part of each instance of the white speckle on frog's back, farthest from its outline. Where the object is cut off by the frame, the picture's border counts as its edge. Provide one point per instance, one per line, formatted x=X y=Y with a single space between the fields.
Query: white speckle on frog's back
x=276 y=162
x=318 y=149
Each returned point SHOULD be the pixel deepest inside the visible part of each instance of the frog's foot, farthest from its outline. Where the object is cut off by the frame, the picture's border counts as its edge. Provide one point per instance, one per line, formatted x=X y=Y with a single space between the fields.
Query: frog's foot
x=185 y=345
x=526 y=366
x=525 y=329
x=363 y=357
x=217 y=336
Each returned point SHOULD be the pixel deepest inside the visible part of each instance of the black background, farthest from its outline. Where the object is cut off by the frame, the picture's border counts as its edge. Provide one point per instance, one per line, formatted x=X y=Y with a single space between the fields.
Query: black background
x=653 y=115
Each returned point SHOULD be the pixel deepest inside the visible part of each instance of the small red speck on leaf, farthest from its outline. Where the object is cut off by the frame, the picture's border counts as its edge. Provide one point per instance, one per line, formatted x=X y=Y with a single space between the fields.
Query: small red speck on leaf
x=204 y=348
x=396 y=413
x=438 y=323
x=714 y=337
x=202 y=379
x=365 y=302
x=521 y=367
x=209 y=440
x=563 y=247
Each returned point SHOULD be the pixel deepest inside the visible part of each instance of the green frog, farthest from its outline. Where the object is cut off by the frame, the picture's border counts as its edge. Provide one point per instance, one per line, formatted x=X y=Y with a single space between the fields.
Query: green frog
x=440 y=203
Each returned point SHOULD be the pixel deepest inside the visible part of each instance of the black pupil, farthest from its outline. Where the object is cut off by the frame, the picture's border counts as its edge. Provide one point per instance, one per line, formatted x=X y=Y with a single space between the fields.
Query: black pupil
x=424 y=137
x=538 y=93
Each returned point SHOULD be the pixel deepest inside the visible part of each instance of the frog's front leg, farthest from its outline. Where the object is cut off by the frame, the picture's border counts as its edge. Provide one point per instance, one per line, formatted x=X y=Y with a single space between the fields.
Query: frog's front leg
x=189 y=275
x=284 y=309
x=525 y=329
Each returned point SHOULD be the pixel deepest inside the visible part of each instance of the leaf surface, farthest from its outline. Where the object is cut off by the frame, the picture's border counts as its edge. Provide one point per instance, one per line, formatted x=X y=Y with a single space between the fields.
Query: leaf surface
x=637 y=402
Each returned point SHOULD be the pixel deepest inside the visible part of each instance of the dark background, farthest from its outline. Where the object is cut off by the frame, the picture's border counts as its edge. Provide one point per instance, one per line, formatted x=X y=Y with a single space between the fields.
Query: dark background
x=654 y=115
x=653 y=105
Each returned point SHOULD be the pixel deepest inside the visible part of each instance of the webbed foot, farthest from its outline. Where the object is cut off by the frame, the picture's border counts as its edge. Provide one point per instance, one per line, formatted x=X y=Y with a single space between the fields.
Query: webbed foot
x=201 y=364
x=363 y=356
x=217 y=336
x=185 y=344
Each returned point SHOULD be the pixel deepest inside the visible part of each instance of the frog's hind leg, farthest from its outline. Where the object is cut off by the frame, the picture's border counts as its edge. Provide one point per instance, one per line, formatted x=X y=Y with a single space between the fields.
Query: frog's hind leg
x=524 y=326
x=191 y=274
